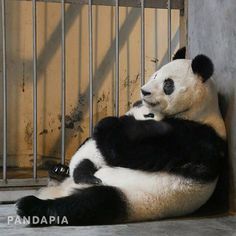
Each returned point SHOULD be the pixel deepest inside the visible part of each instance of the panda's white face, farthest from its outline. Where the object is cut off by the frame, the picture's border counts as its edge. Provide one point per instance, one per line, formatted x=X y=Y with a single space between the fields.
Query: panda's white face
x=173 y=89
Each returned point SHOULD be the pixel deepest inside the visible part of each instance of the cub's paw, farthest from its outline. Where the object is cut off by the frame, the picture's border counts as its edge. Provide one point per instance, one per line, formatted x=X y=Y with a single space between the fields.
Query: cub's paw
x=59 y=172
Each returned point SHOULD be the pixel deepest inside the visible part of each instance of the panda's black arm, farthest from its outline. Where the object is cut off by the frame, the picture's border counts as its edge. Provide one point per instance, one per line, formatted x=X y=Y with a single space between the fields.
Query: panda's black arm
x=136 y=130
x=127 y=127
x=187 y=148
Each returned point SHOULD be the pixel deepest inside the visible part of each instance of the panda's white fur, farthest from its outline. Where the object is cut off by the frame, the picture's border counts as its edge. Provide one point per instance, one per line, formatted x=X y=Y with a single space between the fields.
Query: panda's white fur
x=161 y=194
x=156 y=195
x=191 y=94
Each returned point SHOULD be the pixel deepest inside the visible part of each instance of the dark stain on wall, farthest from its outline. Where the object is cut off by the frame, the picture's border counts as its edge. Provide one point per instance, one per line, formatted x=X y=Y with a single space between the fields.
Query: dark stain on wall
x=102 y=98
x=154 y=60
x=23 y=77
x=128 y=82
x=45 y=131
x=28 y=133
x=71 y=119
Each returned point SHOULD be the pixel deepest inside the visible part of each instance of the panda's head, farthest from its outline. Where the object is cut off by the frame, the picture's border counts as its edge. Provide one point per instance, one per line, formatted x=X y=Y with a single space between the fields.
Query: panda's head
x=183 y=88
x=178 y=85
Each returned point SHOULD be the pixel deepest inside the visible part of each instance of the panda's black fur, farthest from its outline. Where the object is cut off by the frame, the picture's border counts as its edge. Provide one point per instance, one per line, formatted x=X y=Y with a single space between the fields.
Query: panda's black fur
x=90 y=206
x=202 y=66
x=180 y=54
x=174 y=145
x=184 y=148
x=181 y=147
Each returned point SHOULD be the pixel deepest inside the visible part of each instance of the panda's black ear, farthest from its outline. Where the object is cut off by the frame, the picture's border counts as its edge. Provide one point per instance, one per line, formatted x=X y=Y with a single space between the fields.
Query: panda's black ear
x=203 y=66
x=180 y=54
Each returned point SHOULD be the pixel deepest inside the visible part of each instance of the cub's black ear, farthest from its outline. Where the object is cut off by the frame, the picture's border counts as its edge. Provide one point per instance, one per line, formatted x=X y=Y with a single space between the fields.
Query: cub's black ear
x=203 y=66
x=180 y=54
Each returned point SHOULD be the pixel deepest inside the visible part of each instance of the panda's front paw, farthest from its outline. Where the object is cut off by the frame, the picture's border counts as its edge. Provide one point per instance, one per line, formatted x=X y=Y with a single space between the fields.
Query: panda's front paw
x=87 y=179
x=59 y=172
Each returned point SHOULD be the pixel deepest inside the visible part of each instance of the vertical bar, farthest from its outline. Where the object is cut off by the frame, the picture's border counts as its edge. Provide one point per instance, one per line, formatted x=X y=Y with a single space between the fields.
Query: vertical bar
x=183 y=37
x=63 y=82
x=117 y=59
x=34 y=89
x=4 y=75
x=142 y=43
x=169 y=29
x=90 y=67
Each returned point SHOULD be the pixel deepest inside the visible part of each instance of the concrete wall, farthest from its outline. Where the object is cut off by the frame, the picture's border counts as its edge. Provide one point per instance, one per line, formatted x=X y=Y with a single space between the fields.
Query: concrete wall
x=212 y=31
x=19 y=71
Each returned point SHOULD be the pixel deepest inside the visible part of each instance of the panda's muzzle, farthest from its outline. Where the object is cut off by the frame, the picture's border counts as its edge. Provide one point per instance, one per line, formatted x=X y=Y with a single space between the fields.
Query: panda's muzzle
x=151 y=103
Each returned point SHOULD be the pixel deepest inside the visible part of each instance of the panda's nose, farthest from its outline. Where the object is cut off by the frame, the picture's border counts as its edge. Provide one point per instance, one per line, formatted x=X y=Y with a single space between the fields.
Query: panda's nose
x=145 y=93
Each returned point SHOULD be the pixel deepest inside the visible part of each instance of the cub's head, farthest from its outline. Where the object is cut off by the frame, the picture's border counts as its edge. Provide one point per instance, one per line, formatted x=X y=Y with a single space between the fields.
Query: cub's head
x=183 y=88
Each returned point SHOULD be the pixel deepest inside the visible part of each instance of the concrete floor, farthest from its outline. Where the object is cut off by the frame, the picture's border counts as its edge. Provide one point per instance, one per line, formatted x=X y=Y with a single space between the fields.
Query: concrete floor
x=217 y=226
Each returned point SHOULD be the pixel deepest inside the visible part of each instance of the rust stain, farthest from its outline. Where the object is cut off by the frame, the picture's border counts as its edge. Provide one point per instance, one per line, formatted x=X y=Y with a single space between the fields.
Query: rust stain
x=28 y=133
x=137 y=78
x=82 y=100
x=154 y=60
x=45 y=131
x=74 y=117
x=129 y=82
x=102 y=98
x=23 y=77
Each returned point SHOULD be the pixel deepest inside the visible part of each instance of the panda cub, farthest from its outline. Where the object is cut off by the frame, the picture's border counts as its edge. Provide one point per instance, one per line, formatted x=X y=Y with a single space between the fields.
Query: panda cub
x=59 y=172
x=162 y=159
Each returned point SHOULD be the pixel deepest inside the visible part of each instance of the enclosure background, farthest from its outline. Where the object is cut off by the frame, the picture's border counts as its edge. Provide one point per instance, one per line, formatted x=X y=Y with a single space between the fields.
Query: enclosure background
x=19 y=71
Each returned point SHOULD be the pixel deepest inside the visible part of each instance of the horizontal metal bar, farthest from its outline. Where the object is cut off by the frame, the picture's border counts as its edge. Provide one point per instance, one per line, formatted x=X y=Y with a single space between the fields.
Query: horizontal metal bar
x=23 y=183
x=162 y=4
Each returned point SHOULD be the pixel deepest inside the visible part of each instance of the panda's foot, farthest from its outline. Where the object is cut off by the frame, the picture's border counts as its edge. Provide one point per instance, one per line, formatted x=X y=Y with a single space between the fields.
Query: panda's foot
x=59 y=172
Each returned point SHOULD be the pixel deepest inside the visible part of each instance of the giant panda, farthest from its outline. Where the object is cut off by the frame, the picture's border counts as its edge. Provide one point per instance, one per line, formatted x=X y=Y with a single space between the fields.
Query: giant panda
x=162 y=159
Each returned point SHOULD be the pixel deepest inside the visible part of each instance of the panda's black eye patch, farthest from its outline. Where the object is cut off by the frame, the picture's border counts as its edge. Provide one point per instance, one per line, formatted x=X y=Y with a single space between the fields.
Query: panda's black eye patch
x=151 y=115
x=168 y=86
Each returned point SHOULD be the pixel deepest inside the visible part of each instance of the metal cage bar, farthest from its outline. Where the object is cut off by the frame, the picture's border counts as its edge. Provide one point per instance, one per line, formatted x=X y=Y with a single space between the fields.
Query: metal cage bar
x=169 y=29
x=161 y=4
x=34 y=25
x=142 y=42
x=63 y=82
x=90 y=24
x=117 y=60
x=4 y=75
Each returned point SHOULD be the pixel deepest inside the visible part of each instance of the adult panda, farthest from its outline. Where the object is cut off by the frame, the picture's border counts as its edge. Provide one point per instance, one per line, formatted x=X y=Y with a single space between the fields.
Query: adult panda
x=135 y=170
